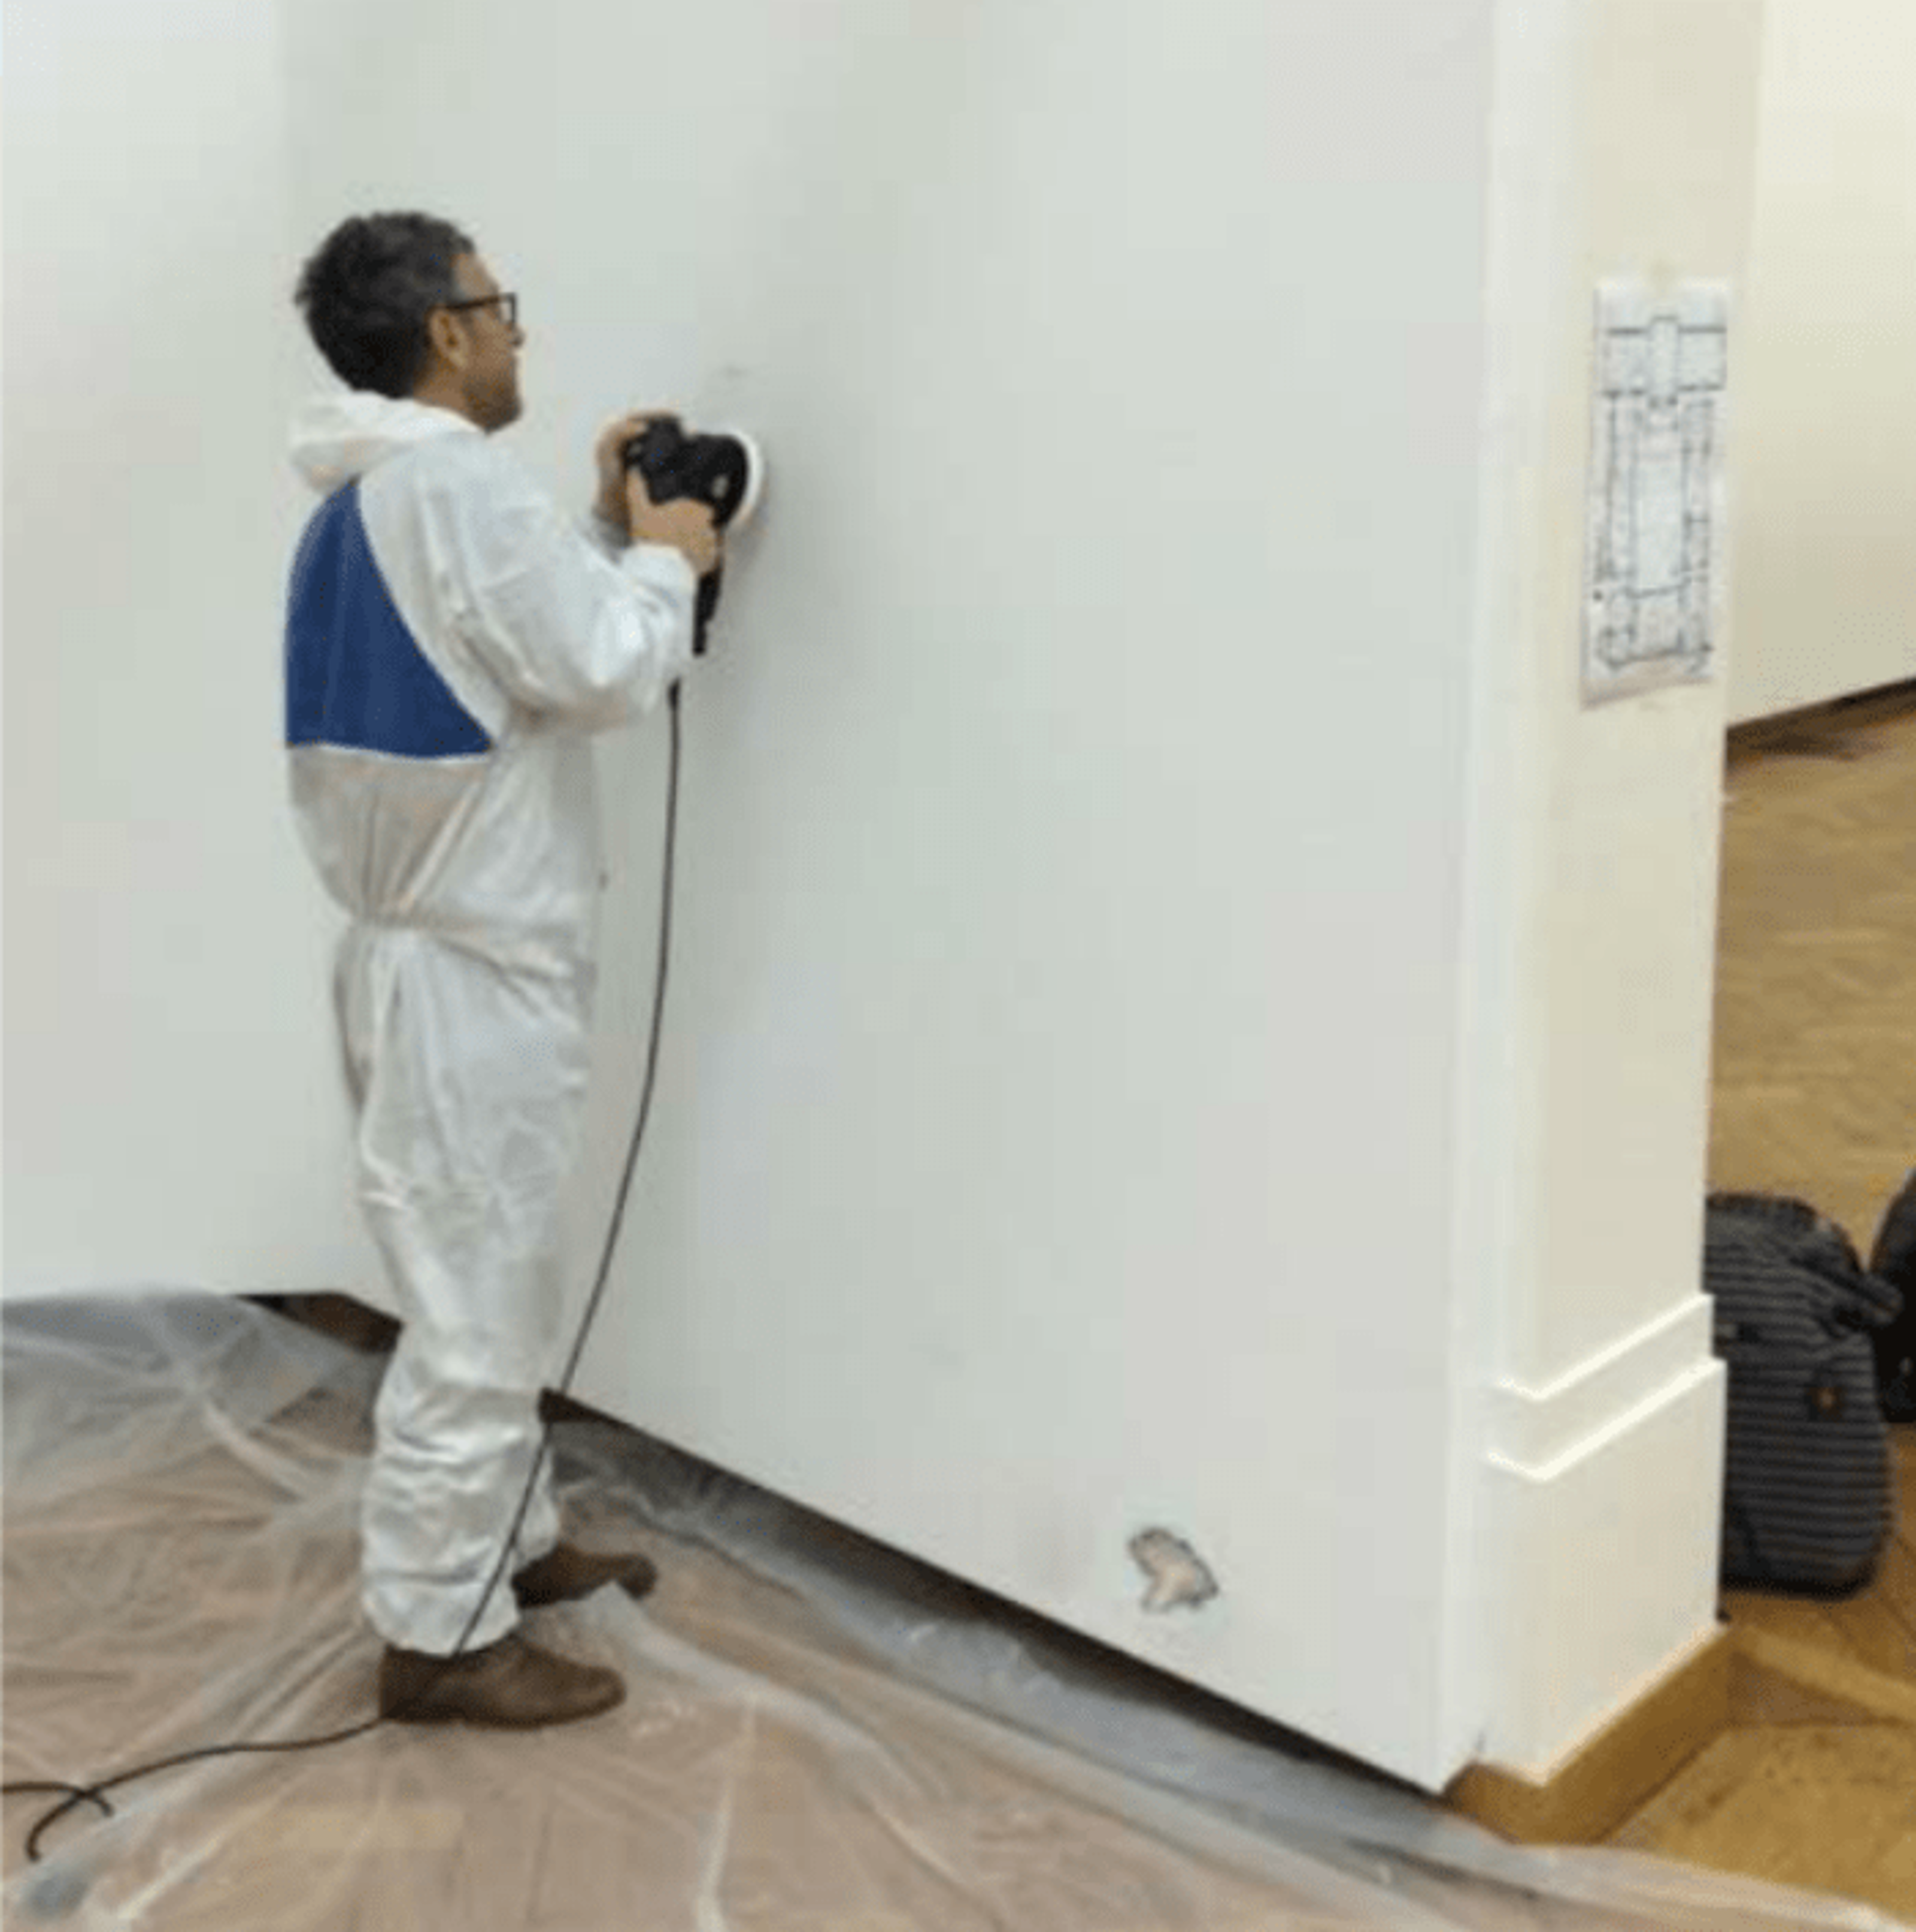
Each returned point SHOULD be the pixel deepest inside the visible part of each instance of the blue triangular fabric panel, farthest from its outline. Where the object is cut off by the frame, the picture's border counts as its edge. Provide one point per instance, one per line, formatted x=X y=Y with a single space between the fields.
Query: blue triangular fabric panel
x=355 y=676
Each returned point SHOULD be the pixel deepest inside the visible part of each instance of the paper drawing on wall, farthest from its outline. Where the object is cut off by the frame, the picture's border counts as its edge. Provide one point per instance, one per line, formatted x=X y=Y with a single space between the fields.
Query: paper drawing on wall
x=1654 y=595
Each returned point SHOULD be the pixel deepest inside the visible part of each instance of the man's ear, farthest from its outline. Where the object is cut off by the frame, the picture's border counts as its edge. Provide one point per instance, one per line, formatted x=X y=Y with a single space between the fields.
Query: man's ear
x=447 y=338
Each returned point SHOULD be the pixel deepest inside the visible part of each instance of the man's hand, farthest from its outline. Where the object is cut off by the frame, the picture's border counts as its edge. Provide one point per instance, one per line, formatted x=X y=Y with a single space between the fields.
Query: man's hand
x=624 y=499
x=611 y=504
x=687 y=527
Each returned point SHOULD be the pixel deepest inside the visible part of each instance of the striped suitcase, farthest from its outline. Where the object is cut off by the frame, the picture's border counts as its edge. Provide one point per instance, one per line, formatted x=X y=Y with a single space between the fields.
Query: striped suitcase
x=1809 y=1480
x=1893 y=1260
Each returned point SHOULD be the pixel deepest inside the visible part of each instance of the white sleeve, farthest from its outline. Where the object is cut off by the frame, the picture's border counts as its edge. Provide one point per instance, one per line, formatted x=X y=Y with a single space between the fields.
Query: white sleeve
x=610 y=539
x=563 y=626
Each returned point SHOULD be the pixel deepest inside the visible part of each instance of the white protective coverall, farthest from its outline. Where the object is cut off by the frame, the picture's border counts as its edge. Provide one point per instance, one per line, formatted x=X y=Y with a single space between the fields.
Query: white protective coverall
x=452 y=639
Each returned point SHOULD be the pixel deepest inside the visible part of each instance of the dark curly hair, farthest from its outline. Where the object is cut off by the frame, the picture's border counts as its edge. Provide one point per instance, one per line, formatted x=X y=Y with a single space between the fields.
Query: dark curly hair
x=366 y=293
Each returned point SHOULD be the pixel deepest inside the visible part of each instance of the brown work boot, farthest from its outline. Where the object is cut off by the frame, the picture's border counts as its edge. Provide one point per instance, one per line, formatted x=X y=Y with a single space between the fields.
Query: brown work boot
x=509 y=1685
x=565 y=1573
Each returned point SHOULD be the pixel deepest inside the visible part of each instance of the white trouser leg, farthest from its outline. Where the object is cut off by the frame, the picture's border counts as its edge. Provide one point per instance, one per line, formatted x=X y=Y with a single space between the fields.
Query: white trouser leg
x=469 y=1082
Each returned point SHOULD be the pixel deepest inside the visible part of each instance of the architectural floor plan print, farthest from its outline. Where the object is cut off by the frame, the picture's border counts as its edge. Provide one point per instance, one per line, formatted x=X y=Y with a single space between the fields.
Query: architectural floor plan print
x=1656 y=578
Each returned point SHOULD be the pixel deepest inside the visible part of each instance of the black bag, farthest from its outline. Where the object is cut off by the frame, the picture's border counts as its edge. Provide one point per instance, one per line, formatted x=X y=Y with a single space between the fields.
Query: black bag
x=1894 y=1260
x=1809 y=1481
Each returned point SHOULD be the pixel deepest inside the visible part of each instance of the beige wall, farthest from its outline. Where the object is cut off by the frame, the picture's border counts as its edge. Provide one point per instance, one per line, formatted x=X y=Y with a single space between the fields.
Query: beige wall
x=1825 y=462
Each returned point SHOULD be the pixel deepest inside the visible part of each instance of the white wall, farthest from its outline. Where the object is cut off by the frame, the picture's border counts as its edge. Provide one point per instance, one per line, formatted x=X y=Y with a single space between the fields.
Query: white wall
x=1598 y=857
x=171 y=1099
x=1058 y=995
x=1067 y=1114
x=1825 y=581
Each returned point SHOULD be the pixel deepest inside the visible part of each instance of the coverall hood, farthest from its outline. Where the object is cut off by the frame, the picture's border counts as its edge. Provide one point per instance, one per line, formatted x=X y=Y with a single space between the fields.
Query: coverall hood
x=337 y=438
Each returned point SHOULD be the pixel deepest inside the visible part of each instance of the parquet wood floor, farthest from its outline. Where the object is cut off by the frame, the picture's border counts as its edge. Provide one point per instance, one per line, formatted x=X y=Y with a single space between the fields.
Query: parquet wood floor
x=1815 y=1095
x=1815 y=1075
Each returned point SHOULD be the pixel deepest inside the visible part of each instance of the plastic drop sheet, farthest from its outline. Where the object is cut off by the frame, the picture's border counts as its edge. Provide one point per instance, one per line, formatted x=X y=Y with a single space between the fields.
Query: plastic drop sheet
x=819 y=1735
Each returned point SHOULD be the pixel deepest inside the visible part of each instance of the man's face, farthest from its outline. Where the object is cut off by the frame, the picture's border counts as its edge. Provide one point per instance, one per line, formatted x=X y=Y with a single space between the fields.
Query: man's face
x=489 y=382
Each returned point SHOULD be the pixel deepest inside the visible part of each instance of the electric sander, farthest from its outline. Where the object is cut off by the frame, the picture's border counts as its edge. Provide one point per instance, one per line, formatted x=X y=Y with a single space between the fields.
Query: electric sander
x=723 y=470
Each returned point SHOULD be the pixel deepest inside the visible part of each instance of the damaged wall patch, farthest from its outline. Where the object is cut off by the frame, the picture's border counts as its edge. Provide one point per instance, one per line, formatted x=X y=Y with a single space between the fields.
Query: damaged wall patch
x=1179 y=1578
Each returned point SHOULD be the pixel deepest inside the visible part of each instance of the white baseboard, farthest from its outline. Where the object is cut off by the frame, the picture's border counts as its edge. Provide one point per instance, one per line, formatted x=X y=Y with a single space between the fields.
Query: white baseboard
x=1603 y=1498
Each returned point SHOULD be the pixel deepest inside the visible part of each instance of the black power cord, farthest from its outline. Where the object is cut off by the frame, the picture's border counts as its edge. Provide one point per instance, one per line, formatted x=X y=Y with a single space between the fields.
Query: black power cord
x=75 y=1795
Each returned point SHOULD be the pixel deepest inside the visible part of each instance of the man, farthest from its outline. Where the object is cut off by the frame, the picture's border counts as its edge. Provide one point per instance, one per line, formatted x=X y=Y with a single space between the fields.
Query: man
x=451 y=641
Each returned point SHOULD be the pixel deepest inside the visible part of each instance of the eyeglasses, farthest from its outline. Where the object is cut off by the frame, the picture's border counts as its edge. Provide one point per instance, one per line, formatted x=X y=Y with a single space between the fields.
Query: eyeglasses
x=509 y=306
